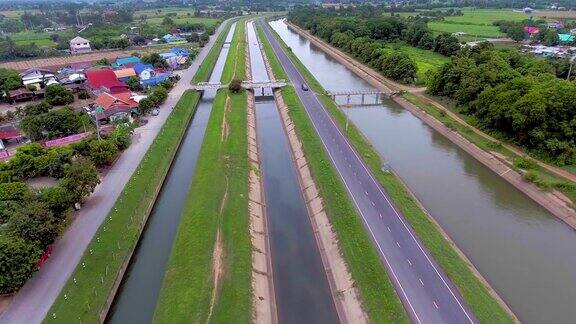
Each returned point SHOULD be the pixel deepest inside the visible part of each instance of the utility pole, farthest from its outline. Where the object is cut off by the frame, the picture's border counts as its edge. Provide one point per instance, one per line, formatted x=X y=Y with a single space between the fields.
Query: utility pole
x=98 y=111
x=570 y=69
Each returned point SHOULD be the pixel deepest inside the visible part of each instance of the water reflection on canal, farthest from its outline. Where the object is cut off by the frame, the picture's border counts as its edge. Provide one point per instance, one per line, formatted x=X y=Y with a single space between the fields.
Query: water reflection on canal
x=527 y=255
x=301 y=287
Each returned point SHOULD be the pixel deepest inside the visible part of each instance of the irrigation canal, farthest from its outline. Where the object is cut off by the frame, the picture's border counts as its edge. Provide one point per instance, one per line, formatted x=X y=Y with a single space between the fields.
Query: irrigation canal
x=302 y=291
x=136 y=299
x=525 y=253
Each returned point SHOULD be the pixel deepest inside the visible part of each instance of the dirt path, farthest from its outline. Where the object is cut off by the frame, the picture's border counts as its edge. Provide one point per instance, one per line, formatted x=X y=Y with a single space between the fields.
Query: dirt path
x=548 y=200
x=380 y=82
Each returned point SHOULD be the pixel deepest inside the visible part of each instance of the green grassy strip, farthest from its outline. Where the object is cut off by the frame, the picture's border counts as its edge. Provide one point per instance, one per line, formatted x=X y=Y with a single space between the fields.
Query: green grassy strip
x=220 y=181
x=115 y=239
x=545 y=179
x=235 y=64
x=485 y=307
x=378 y=296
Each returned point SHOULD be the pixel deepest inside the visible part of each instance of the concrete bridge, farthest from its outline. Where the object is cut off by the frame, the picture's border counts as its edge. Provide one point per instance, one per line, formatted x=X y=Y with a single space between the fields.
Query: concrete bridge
x=202 y=86
x=363 y=93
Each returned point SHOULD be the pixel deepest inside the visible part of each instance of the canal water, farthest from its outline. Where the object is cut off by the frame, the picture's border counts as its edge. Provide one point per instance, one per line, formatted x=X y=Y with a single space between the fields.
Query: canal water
x=300 y=283
x=525 y=253
x=136 y=299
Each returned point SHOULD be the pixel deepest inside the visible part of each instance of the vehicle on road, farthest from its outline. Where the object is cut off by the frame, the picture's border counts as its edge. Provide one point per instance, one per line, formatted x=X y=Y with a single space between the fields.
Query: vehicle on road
x=304 y=87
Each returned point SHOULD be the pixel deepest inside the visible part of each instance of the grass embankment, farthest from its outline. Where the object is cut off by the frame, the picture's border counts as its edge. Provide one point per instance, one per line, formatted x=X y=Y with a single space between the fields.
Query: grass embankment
x=116 y=238
x=426 y=60
x=377 y=294
x=485 y=307
x=217 y=207
x=533 y=172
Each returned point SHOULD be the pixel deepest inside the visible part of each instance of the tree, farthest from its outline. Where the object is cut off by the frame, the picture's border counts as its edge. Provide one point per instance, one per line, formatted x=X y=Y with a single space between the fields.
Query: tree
x=9 y=79
x=167 y=21
x=134 y=84
x=516 y=32
x=18 y=260
x=121 y=137
x=58 y=95
x=35 y=224
x=235 y=85
x=80 y=179
x=155 y=59
x=145 y=105
x=103 y=152
x=55 y=37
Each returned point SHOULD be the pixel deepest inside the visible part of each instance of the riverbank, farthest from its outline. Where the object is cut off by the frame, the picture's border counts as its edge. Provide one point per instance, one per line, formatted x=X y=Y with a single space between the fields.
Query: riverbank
x=486 y=306
x=209 y=274
x=374 y=290
x=556 y=203
x=89 y=292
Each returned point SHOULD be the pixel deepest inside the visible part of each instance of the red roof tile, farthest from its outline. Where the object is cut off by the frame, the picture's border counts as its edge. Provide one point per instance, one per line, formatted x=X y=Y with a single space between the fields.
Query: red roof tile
x=109 y=101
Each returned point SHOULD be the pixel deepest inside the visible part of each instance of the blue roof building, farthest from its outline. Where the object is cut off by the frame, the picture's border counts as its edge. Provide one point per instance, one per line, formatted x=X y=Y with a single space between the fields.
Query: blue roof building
x=180 y=51
x=140 y=67
x=169 y=38
x=566 y=38
x=121 y=61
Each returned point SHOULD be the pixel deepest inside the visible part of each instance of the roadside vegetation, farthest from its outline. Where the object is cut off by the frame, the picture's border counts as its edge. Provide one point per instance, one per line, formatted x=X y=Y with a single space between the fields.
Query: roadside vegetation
x=377 y=294
x=208 y=278
x=486 y=308
x=85 y=294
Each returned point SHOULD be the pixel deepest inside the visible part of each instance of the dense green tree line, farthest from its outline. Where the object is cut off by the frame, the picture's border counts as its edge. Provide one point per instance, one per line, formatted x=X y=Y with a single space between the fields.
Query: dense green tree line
x=366 y=39
x=513 y=94
x=32 y=219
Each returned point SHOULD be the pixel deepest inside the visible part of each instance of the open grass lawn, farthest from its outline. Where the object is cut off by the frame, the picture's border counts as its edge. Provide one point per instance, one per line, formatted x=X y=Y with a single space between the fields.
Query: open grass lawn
x=163 y=12
x=486 y=308
x=426 y=60
x=487 y=31
x=83 y=300
x=218 y=203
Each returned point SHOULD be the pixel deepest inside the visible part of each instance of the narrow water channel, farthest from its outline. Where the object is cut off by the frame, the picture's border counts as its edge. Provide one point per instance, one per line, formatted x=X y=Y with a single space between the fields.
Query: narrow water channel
x=136 y=299
x=526 y=254
x=300 y=283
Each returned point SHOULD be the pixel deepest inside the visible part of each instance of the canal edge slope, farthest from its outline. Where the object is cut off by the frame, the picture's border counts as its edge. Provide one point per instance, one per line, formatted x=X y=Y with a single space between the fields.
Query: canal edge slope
x=264 y=298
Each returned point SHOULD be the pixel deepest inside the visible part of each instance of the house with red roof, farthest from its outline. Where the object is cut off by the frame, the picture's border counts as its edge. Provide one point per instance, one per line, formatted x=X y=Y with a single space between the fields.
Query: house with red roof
x=115 y=103
x=105 y=80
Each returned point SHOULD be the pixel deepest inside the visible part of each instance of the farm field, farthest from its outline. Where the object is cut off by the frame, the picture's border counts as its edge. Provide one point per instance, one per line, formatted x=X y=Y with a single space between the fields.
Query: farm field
x=182 y=19
x=487 y=31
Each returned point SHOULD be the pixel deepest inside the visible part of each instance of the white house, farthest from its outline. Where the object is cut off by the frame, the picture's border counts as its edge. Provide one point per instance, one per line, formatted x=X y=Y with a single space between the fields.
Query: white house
x=79 y=45
x=36 y=77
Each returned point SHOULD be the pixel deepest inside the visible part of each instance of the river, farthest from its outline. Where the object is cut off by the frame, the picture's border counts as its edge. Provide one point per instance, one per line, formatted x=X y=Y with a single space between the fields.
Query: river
x=525 y=253
x=301 y=287
x=136 y=299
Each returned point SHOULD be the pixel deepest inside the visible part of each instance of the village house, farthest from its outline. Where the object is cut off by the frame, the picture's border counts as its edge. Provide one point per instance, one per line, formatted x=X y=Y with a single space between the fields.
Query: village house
x=38 y=78
x=79 y=45
x=20 y=95
x=119 y=104
x=170 y=38
x=104 y=80
x=124 y=74
x=150 y=76
x=127 y=61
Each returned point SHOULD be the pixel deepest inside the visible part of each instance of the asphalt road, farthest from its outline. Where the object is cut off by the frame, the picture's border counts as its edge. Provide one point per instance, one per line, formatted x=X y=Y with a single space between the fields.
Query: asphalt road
x=34 y=300
x=426 y=292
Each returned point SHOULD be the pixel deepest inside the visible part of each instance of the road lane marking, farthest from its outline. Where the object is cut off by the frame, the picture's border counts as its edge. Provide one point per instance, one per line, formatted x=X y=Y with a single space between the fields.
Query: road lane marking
x=388 y=227
x=421 y=282
x=435 y=305
x=409 y=262
x=397 y=243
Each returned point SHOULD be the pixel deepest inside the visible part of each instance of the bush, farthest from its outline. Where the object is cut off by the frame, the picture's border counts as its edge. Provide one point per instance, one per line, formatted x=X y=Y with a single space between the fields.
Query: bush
x=134 y=84
x=531 y=176
x=524 y=163
x=121 y=137
x=235 y=85
x=145 y=105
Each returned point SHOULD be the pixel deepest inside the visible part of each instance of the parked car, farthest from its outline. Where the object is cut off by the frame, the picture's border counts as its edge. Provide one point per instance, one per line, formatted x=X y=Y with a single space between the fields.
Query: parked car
x=155 y=112
x=304 y=87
